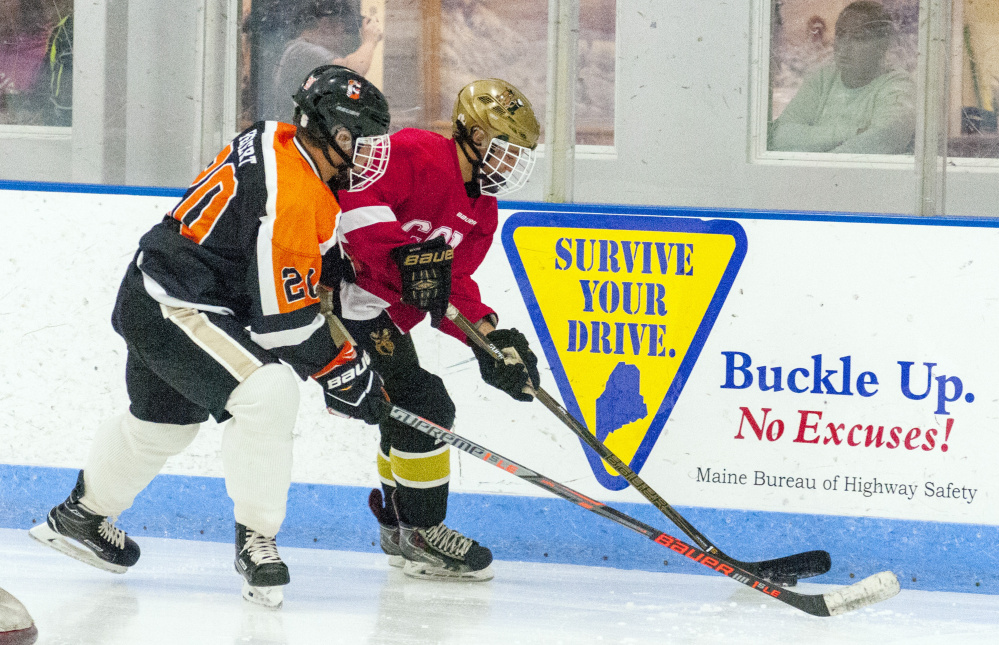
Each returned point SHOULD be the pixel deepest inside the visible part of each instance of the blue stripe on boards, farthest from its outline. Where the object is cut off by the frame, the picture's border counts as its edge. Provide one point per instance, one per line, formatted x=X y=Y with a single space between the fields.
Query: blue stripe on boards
x=100 y=189
x=582 y=208
x=932 y=556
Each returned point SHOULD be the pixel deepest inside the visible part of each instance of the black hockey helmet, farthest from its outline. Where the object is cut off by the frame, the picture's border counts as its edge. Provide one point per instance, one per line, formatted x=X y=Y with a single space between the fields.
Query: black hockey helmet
x=334 y=96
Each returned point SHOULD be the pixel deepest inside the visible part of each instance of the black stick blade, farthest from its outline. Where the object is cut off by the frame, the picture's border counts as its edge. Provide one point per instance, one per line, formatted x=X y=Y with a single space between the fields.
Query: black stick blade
x=788 y=570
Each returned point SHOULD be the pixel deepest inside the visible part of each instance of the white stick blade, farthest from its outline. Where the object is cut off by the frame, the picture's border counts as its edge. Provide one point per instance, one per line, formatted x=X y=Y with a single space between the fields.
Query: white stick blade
x=870 y=590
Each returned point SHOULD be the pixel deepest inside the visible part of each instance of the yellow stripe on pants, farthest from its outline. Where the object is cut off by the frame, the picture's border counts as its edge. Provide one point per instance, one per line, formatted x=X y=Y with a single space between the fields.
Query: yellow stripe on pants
x=421 y=469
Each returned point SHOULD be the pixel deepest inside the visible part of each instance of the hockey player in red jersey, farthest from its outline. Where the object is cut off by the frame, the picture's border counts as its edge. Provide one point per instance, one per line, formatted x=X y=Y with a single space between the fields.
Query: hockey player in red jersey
x=220 y=314
x=414 y=238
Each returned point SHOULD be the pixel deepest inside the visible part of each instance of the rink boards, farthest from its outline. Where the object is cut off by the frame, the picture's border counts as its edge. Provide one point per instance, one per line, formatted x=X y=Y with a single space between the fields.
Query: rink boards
x=788 y=380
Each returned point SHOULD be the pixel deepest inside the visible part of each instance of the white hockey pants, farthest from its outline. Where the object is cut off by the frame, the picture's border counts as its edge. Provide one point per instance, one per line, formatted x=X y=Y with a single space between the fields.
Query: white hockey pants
x=256 y=452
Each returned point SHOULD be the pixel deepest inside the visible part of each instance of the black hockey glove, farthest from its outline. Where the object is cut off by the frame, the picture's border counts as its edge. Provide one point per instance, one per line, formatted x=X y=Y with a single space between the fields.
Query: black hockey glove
x=510 y=375
x=426 y=276
x=353 y=388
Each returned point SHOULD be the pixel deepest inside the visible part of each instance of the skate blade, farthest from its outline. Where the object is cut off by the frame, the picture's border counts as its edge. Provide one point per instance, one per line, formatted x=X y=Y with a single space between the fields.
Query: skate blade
x=270 y=597
x=424 y=571
x=396 y=561
x=44 y=534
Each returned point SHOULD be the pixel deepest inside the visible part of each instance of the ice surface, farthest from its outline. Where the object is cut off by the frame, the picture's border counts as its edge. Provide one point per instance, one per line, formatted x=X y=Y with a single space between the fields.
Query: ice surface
x=187 y=592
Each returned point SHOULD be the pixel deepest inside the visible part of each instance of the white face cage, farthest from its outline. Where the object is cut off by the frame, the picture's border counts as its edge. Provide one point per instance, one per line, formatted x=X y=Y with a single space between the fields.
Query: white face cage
x=505 y=168
x=371 y=155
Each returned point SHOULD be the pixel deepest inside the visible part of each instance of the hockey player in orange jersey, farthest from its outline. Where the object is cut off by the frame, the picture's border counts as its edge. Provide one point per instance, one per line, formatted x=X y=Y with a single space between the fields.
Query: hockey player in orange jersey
x=220 y=313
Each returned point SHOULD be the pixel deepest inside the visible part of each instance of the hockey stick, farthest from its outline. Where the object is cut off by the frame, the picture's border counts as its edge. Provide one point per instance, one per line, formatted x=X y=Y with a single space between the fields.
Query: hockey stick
x=783 y=571
x=868 y=591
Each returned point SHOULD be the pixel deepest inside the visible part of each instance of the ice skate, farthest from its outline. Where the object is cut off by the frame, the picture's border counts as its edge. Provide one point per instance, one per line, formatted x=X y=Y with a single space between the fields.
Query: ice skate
x=264 y=573
x=73 y=529
x=388 y=528
x=441 y=553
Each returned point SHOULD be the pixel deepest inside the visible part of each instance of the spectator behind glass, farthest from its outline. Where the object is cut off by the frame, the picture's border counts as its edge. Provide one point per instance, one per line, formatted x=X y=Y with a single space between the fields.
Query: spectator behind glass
x=323 y=28
x=855 y=104
x=23 y=34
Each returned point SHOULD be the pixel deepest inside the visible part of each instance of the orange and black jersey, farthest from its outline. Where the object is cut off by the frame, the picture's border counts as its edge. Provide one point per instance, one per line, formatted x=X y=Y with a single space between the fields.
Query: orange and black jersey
x=247 y=240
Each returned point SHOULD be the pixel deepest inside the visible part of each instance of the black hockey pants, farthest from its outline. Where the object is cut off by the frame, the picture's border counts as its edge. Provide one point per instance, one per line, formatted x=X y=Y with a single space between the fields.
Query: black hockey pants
x=409 y=461
x=182 y=365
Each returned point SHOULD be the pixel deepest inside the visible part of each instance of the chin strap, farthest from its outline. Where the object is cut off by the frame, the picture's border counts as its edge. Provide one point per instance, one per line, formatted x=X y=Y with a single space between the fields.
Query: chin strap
x=341 y=181
x=462 y=137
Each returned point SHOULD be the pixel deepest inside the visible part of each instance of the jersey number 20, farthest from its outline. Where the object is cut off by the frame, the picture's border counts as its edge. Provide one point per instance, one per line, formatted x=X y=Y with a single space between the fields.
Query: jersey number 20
x=294 y=289
x=207 y=198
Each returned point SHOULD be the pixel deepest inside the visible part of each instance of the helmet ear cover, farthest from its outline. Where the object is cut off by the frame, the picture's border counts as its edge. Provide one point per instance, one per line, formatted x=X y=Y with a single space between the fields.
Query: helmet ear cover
x=320 y=136
x=325 y=140
x=463 y=137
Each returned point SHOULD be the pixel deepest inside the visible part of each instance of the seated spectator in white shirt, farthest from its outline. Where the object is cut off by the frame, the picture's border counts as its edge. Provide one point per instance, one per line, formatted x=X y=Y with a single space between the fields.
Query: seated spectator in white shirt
x=856 y=104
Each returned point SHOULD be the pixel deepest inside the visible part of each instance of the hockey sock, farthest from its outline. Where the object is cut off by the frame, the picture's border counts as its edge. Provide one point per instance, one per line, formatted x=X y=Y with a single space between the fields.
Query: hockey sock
x=422 y=484
x=125 y=456
x=257 y=446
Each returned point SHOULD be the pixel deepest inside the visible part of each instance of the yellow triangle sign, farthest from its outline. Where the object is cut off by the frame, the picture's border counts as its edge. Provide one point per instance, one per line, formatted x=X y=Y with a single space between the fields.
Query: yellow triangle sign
x=622 y=306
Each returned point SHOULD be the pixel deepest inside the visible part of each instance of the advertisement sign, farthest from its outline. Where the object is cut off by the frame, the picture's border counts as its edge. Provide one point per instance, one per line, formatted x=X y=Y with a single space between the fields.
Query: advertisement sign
x=801 y=363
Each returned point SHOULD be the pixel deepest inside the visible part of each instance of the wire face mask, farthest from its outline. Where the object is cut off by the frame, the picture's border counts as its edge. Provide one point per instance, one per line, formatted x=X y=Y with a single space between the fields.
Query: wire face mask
x=505 y=168
x=371 y=155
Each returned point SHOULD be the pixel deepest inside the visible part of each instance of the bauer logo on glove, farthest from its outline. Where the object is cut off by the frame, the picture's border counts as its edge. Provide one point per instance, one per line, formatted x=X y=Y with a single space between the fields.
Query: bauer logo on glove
x=428 y=258
x=353 y=371
x=352 y=388
x=425 y=275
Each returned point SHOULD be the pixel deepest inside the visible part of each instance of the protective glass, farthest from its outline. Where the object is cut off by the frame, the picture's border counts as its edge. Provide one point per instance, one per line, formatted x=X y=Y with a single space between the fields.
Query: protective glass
x=371 y=155
x=505 y=168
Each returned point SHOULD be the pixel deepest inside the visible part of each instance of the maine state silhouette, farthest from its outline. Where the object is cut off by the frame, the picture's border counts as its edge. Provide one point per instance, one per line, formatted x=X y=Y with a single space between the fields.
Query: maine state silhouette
x=621 y=402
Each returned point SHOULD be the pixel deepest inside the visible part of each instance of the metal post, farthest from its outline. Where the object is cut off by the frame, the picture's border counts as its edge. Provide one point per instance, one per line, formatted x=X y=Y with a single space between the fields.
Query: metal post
x=218 y=78
x=560 y=119
x=88 y=100
x=99 y=97
x=931 y=110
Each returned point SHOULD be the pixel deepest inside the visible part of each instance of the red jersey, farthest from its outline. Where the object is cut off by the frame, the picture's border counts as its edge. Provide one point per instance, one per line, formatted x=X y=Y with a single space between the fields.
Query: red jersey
x=420 y=196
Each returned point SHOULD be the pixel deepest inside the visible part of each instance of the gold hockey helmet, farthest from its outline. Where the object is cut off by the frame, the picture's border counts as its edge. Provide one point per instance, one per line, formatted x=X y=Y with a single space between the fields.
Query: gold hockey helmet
x=500 y=109
x=506 y=116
